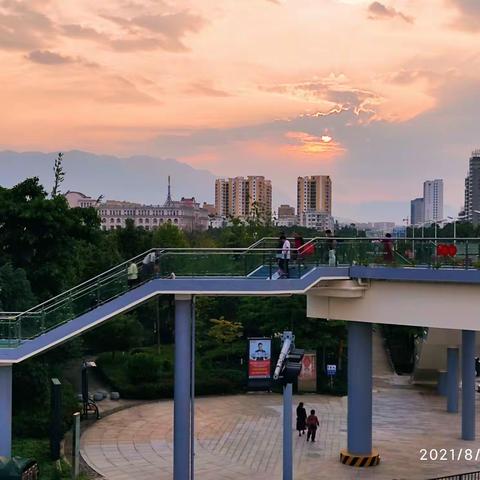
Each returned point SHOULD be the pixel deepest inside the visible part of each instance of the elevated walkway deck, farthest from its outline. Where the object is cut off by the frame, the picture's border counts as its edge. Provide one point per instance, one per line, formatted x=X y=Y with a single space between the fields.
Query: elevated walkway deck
x=375 y=293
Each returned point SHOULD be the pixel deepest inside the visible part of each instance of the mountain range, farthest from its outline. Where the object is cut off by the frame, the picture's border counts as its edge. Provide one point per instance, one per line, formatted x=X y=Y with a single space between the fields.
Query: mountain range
x=137 y=178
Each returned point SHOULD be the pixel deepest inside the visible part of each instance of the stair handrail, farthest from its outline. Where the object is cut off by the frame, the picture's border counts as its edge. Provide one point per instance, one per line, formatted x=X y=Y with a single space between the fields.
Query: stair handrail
x=224 y=250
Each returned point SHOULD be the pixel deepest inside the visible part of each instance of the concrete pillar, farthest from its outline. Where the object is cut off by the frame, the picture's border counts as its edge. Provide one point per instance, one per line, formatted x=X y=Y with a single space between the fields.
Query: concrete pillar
x=468 y=385
x=442 y=383
x=182 y=388
x=6 y=411
x=452 y=379
x=359 y=388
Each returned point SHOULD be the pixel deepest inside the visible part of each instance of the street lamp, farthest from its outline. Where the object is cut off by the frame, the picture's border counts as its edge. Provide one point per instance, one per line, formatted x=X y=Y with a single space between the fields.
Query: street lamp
x=436 y=222
x=459 y=217
x=406 y=227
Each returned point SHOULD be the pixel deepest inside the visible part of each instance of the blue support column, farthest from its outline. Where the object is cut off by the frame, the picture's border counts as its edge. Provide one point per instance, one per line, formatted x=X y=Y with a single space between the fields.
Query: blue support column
x=359 y=388
x=452 y=380
x=468 y=385
x=182 y=388
x=442 y=383
x=6 y=411
x=287 y=433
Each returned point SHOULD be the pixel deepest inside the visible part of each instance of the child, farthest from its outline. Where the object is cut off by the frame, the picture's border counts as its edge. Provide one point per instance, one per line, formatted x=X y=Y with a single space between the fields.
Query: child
x=312 y=424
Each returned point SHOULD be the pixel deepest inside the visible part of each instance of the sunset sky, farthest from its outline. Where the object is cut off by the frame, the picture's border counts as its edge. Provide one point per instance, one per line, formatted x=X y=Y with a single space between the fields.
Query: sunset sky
x=379 y=95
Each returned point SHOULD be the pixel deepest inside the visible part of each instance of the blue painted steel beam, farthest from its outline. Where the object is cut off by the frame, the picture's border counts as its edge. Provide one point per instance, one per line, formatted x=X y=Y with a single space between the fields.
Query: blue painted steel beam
x=287 y=433
x=359 y=388
x=452 y=380
x=442 y=383
x=6 y=411
x=182 y=388
x=468 y=385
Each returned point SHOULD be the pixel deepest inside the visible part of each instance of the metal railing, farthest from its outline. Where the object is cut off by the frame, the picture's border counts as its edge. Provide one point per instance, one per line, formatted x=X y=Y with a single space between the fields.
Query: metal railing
x=262 y=260
x=460 y=476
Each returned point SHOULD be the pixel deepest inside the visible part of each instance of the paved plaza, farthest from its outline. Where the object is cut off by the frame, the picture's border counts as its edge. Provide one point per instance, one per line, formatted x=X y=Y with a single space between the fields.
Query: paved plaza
x=239 y=437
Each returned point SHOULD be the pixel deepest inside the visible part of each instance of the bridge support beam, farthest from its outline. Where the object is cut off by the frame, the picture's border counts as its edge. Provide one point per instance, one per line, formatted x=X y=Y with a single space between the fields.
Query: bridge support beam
x=359 y=388
x=468 y=385
x=359 y=449
x=182 y=387
x=6 y=411
x=452 y=379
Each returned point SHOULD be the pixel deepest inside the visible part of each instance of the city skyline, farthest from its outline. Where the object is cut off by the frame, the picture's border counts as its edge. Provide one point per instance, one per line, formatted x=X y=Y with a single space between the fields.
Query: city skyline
x=396 y=96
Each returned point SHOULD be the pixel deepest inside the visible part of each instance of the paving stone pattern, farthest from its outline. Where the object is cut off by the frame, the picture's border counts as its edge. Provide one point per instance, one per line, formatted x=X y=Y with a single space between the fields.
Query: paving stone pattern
x=239 y=437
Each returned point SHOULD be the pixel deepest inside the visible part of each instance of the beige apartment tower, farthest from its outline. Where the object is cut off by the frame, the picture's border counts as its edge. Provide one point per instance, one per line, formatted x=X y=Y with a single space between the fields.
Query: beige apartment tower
x=237 y=197
x=314 y=194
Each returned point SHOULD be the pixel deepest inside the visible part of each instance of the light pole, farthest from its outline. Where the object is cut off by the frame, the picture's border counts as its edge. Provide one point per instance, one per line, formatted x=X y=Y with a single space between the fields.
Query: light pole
x=406 y=228
x=287 y=369
x=436 y=227
x=459 y=217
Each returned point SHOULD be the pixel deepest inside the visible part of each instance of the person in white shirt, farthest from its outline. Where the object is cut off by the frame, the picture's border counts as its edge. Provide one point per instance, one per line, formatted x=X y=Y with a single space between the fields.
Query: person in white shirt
x=132 y=274
x=284 y=256
x=148 y=262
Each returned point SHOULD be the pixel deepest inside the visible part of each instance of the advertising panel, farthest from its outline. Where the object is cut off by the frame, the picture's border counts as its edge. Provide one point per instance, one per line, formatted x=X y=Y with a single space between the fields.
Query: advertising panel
x=259 y=358
x=307 y=381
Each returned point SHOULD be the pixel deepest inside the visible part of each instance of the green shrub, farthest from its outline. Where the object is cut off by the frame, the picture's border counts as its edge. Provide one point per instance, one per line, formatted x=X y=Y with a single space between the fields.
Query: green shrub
x=148 y=391
x=143 y=368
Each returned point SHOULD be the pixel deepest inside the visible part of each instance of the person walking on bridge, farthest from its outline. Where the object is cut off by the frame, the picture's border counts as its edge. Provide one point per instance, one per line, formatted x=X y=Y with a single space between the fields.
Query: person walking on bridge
x=132 y=274
x=284 y=256
x=331 y=247
x=388 y=248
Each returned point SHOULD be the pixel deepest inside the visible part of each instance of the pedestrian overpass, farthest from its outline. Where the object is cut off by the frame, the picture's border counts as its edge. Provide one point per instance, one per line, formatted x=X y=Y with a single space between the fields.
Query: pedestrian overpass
x=419 y=288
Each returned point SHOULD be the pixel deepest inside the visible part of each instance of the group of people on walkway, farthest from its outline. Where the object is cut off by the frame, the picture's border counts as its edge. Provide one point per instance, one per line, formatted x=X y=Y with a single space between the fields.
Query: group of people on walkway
x=149 y=267
x=300 y=250
x=309 y=423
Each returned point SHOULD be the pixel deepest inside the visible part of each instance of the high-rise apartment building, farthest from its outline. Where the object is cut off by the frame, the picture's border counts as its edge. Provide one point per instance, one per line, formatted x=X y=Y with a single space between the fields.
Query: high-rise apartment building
x=242 y=197
x=433 y=200
x=222 y=197
x=417 y=211
x=472 y=189
x=314 y=195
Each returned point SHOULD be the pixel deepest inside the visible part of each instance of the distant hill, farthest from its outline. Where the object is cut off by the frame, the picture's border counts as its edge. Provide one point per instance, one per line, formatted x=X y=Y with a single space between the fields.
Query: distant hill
x=139 y=178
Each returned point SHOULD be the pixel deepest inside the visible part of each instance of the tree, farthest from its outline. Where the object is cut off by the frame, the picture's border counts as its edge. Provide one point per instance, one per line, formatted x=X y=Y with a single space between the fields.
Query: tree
x=225 y=331
x=42 y=236
x=131 y=241
x=59 y=175
x=120 y=334
x=169 y=236
x=15 y=291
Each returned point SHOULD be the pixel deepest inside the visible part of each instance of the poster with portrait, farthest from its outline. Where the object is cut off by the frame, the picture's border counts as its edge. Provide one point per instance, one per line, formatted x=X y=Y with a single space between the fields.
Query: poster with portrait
x=307 y=380
x=259 y=358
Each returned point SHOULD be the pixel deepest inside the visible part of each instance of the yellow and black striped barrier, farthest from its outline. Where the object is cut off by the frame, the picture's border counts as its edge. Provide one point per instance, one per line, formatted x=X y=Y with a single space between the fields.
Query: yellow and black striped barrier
x=360 y=460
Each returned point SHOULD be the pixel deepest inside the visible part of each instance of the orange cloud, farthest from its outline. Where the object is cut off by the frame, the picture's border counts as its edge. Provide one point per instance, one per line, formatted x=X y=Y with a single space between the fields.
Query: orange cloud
x=324 y=145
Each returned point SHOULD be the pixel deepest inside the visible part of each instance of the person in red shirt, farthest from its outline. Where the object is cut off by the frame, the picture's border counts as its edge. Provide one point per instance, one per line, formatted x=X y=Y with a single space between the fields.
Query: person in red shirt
x=312 y=425
x=388 y=248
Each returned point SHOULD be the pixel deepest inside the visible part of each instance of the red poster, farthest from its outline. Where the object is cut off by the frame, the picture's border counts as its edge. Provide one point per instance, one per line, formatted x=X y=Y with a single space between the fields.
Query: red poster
x=259 y=358
x=307 y=381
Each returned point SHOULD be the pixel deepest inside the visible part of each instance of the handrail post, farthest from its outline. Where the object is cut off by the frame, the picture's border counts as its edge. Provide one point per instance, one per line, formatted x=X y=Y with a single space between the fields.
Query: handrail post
x=19 y=329
x=98 y=291
x=466 y=255
x=270 y=267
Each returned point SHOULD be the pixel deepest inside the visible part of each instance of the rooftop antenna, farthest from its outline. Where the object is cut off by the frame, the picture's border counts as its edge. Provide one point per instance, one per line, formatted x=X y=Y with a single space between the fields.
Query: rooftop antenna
x=169 y=196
